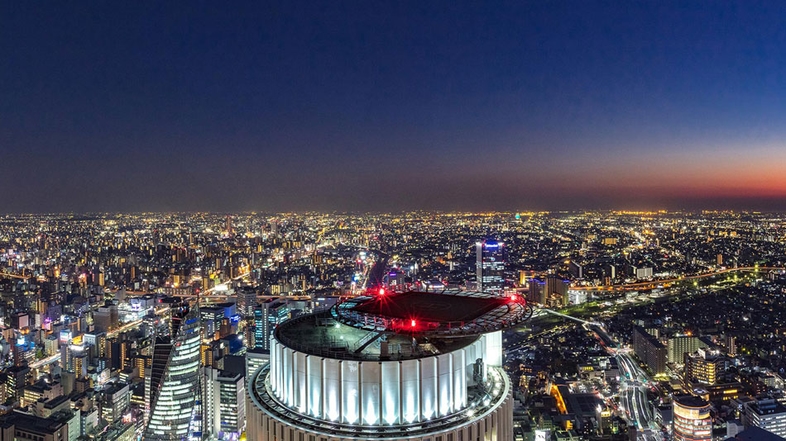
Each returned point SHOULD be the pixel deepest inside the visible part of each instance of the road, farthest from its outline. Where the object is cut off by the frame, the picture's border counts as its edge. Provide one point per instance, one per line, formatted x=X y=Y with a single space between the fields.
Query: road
x=45 y=361
x=633 y=383
x=633 y=392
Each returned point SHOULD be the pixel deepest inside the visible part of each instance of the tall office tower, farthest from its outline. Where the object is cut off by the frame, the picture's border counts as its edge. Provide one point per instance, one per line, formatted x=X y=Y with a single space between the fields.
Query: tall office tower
x=692 y=421
x=490 y=266
x=246 y=301
x=537 y=291
x=96 y=344
x=115 y=401
x=255 y=359
x=172 y=382
x=268 y=315
x=224 y=404
x=767 y=414
x=366 y=369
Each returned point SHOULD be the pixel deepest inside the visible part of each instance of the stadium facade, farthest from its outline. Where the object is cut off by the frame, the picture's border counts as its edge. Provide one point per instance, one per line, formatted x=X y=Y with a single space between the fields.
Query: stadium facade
x=404 y=366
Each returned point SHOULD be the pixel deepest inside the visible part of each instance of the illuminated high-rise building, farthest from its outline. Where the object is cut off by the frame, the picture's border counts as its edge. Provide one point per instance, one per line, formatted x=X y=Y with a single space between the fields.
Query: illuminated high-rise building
x=679 y=346
x=172 y=381
x=106 y=318
x=692 y=419
x=490 y=266
x=704 y=366
x=115 y=401
x=267 y=315
x=224 y=404
x=557 y=290
x=389 y=367
x=246 y=301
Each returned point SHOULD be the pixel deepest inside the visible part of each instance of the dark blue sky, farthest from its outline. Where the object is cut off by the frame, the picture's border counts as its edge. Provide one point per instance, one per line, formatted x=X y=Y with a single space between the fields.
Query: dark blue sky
x=401 y=105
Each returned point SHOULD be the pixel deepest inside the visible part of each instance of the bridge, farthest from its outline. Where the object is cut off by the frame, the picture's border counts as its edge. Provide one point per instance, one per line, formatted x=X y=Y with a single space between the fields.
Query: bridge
x=570 y=317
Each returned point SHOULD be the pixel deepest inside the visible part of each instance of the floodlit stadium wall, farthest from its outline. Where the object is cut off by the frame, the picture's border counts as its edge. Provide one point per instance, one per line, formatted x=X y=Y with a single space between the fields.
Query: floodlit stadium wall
x=380 y=394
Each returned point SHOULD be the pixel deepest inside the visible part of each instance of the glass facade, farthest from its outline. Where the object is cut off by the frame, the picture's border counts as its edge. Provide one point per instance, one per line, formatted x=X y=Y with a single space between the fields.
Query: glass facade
x=490 y=266
x=267 y=316
x=225 y=405
x=174 y=381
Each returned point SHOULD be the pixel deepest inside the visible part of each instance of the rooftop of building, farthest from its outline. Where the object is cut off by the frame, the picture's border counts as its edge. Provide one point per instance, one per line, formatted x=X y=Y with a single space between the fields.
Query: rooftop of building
x=754 y=433
x=217 y=306
x=30 y=423
x=402 y=325
x=321 y=334
x=766 y=406
x=430 y=307
x=650 y=338
x=691 y=401
x=227 y=375
x=583 y=404
x=39 y=387
x=449 y=313
x=113 y=388
x=56 y=401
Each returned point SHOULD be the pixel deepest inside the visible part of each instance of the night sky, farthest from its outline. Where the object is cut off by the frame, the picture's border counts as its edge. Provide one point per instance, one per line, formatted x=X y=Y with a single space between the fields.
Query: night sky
x=392 y=106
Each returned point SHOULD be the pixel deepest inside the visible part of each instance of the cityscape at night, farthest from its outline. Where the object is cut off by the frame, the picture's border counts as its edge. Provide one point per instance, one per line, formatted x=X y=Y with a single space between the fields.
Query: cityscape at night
x=161 y=326
x=540 y=220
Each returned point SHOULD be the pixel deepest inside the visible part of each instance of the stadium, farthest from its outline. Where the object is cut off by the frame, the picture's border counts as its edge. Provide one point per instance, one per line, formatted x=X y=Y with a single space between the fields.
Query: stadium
x=394 y=365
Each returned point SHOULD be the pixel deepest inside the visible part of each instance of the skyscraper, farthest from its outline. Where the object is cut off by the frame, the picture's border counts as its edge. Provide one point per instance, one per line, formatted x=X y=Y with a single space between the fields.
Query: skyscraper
x=224 y=404
x=246 y=301
x=267 y=315
x=649 y=349
x=172 y=382
x=557 y=290
x=490 y=266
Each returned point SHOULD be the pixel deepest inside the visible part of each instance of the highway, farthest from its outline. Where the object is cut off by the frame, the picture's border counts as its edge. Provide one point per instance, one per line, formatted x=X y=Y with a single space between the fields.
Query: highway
x=123 y=328
x=634 y=393
x=633 y=382
x=633 y=397
x=14 y=276
x=45 y=361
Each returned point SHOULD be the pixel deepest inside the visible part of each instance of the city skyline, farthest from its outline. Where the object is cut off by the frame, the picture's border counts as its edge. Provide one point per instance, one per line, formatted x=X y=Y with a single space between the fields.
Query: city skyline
x=403 y=106
x=616 y=326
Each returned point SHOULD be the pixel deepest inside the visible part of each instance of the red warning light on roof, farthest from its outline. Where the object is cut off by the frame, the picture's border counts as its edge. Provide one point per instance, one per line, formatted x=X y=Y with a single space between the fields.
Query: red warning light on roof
x=413 y=323
x=382 y=291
